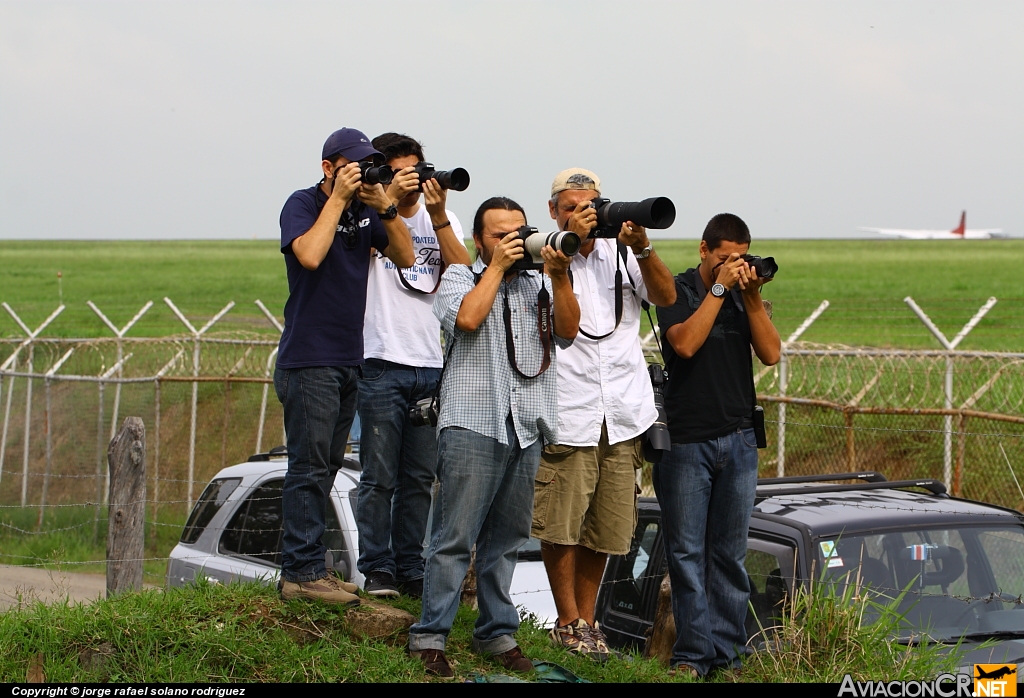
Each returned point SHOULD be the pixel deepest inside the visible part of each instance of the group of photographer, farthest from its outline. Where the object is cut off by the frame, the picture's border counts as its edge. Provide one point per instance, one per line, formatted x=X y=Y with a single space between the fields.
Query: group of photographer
x=534 y=417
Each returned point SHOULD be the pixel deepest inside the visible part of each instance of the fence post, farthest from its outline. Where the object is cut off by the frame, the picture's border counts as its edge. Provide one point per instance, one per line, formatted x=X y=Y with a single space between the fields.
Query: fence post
x=266 y=386
x=950 y=346
x=48 y=414
x=157 y=379
x=784 y=381
x=120 y=333
x=126 y=515
x=28 y=342
x=196 y=334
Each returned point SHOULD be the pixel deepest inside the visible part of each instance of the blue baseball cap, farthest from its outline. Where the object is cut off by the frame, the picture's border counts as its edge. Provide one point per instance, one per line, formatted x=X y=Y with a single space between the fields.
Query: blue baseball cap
x=351 y=143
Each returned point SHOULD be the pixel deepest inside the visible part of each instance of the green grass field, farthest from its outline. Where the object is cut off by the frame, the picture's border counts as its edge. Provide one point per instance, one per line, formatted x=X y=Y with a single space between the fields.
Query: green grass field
x=864 y=280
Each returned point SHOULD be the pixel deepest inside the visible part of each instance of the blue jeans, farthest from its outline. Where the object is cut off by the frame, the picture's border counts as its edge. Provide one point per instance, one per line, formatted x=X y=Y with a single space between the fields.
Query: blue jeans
x=706 y=491
x=319 y=404
x=399 y=461
x=486 y=497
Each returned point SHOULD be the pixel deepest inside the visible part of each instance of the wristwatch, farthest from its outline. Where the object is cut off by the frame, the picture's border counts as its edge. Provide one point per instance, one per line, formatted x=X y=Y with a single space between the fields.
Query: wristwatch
x=389 y=213
x=718 y=290
x=645 y=252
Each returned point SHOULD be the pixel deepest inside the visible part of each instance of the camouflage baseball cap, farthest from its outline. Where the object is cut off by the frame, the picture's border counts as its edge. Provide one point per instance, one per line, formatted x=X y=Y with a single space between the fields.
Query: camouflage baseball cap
x=576 y=178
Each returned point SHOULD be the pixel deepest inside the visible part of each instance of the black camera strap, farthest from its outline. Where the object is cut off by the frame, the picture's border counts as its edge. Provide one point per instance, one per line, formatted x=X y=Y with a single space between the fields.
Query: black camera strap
x=410 y=287
x=545 y=329
x=620 y=255
x=436 y=401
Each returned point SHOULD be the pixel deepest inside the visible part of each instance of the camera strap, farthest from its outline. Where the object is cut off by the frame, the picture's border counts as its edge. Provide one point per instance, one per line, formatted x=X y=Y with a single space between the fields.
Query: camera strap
x=620 y=255
x=410 y=287
x=436 y=402
x=545 y=329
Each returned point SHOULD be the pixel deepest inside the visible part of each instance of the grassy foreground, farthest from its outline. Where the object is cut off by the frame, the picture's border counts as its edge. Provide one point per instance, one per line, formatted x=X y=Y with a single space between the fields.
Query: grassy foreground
x=245 y=633
x=865 y=281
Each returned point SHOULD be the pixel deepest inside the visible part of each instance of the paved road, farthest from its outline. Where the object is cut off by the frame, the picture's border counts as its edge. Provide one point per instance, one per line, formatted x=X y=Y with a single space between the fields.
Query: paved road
x=30 y=583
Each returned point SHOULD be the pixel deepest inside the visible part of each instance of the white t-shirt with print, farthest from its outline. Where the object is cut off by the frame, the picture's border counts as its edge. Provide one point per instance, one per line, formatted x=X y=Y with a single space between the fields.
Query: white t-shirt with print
x=399 y=324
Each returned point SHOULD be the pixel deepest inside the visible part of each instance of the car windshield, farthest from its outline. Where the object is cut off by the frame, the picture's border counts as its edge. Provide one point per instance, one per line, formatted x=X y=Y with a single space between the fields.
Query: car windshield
x=959 y=581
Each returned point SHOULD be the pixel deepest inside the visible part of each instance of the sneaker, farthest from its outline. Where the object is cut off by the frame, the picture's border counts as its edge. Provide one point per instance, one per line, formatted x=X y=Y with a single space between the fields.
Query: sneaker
x=434 y=662
x=685 y=671
x=380 y=583
x=573 y=637
x=600 y=641
x=328 y=589
x=514 y=660
x=413 y=588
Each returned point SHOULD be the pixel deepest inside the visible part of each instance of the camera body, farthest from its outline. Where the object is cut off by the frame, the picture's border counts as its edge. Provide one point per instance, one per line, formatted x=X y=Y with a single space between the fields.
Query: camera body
x=764 y=266
x=533 y=241
x=423 y=413
x=658 y=213
x=657 y=439
x=457 y=179
x=375 y=174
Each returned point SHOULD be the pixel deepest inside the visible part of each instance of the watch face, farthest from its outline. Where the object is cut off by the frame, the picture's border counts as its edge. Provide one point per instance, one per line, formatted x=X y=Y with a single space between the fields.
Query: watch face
x=718 y=290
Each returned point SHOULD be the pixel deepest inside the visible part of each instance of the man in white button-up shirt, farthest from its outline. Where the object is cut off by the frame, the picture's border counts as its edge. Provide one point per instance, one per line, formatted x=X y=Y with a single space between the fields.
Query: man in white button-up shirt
x=585 y=492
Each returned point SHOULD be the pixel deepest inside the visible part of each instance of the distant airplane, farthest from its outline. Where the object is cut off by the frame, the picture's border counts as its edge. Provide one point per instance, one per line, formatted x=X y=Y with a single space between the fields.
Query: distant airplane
x=958 y=233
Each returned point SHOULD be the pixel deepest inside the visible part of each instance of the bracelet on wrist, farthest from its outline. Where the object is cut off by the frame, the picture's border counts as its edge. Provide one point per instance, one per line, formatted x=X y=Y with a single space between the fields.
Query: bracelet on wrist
x=439 y=226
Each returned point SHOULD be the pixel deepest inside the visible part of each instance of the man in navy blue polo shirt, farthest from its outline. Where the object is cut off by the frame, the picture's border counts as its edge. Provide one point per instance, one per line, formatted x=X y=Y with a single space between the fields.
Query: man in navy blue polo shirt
x=326 y=235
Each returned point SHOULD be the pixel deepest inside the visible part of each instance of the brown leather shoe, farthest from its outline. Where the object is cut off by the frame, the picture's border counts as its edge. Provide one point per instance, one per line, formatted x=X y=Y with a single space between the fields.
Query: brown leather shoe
x=434 y=662
x=514 y=660
x=329 y=589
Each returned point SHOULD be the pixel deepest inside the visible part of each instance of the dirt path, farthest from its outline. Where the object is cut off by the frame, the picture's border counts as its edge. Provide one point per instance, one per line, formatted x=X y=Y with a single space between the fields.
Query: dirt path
x=30 y=584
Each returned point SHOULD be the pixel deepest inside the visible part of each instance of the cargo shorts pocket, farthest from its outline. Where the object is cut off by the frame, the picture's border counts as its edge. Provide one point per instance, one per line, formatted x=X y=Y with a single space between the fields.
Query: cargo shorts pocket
x=558 y=450
x=544 y=483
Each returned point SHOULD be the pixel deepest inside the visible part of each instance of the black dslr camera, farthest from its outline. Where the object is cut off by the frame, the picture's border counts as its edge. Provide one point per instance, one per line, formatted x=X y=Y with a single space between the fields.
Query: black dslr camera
x=656 y=438
x=376 y=174
x=764 y=266
x=424 y=413
x=658 y=213
x=533 y=241
x=457 y=179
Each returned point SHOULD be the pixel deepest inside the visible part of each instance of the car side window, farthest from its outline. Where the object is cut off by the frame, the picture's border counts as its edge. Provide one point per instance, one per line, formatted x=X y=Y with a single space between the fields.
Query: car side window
x=633 y=568
x=210 y=502
x=769 y=566
x=255 y=529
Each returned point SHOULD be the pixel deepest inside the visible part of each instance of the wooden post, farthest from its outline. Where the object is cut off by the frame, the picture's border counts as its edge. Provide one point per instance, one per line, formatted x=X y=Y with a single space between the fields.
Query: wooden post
x=663 y=632
x=851 y=445
x=961 y=447
x=126 y=459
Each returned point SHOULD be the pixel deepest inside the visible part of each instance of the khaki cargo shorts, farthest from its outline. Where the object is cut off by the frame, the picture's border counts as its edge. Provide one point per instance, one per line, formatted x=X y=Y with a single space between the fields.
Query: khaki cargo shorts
x=587 y=495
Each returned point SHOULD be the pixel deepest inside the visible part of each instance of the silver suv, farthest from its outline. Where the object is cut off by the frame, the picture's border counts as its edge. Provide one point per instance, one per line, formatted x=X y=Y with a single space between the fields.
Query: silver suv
x=234 y=533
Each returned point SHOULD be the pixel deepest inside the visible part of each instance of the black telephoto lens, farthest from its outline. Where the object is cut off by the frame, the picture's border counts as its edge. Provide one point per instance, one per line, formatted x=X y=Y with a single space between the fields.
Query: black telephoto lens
x=658 y=213
x=457 y=179
x=376 y=175
x=764 y=266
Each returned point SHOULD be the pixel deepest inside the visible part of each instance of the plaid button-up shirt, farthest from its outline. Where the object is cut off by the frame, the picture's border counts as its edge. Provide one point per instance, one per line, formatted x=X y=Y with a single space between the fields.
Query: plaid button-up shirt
x=479 y=387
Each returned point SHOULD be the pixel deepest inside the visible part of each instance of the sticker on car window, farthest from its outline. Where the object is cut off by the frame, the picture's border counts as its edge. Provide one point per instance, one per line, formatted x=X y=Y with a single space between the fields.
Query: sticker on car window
x=921 y=553
x=835 y=561
x=828 y=548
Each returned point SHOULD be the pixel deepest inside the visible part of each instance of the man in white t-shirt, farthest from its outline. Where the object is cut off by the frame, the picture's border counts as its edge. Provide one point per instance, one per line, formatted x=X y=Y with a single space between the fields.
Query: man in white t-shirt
x=585 y=493
x=402 y=351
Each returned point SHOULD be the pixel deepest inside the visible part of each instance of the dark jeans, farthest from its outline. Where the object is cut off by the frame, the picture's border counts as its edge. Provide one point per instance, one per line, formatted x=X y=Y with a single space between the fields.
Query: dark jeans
x=399 y=461
x=486 y=498
x=319 y=404
x=706 y=491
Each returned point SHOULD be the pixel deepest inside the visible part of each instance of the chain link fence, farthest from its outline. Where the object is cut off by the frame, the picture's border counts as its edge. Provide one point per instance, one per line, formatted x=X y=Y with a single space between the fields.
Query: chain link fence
x=207 y=402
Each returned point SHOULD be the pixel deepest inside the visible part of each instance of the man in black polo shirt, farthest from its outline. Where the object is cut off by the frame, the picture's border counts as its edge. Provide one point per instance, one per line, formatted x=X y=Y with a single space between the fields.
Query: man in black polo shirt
x=326 y=235
x=706 y=483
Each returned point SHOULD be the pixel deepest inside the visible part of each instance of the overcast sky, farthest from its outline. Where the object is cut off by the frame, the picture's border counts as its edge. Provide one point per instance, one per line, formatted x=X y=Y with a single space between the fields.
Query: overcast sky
x=198 y=119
